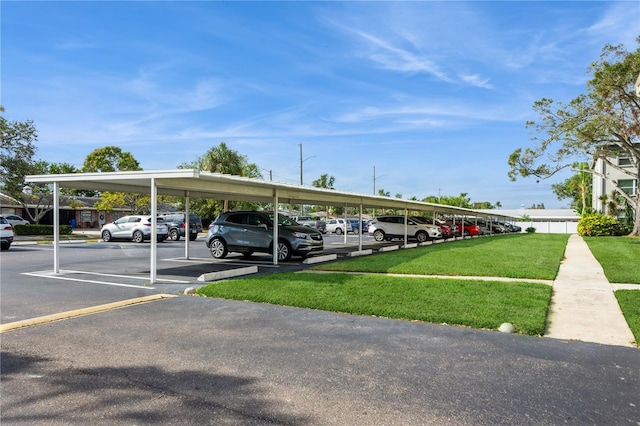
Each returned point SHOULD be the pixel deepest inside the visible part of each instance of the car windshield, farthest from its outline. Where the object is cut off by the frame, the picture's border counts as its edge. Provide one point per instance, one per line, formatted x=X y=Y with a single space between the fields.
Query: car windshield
x=283 y=220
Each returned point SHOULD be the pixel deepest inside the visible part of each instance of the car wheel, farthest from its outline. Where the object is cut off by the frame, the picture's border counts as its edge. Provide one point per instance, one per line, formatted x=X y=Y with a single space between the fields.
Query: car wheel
x=174 y=235
x=218 y=248
x=466 y=233
x=138 y=237
x=338 y=231
x=284 y=251
x=422 y=237
x=378 y=235
x=5 y=246
x=161 y=239
x=356 y=231
x=106 y=236
x=193 y=237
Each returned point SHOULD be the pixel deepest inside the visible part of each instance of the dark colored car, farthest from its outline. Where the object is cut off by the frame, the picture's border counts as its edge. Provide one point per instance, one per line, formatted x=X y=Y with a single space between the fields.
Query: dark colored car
x=247 y=232
x=177 y=226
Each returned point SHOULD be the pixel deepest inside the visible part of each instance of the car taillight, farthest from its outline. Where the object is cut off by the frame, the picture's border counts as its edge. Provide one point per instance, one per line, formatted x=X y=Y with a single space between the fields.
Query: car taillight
x=7 y=227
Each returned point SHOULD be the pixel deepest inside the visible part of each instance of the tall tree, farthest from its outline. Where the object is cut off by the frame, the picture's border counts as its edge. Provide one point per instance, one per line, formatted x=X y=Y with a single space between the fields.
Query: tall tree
x=324 y=181
x=578 y=188
x=16 y=154
x=17 y=160
x=222 y=159
x=601 y=124
x=110 y=159
x=114 y=159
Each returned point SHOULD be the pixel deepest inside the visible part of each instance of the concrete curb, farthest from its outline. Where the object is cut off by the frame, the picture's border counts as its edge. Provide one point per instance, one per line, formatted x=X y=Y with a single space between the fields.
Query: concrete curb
x=359 y=253
x=221 y=275
x=79 y=312
x=319 y=259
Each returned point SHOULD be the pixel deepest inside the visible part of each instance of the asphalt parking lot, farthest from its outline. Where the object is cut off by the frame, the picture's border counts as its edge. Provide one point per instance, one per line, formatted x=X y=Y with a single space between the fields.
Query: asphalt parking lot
x=192 y=360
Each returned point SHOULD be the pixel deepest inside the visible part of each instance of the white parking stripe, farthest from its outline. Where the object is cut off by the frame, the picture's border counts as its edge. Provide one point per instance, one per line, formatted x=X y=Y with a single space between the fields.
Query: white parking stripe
x=58 y=277
x=121 y=276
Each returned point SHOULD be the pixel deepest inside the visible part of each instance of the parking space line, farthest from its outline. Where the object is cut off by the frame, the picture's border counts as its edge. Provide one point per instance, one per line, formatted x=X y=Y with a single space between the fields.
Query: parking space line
x=123 y=276
x=84 y=311
x=59 y=277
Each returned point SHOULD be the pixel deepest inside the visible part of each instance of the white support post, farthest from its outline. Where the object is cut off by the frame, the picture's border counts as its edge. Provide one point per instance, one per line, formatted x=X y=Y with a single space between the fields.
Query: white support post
x=154 y=230
x=360 y=231
x=406 y=226
x=56 y=228
x=187 y=225
x=275 y=226
x=346 y=225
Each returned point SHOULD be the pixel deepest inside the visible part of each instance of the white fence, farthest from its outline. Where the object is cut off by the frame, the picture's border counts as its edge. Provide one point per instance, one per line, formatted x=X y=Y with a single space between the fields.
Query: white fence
x=550 y=227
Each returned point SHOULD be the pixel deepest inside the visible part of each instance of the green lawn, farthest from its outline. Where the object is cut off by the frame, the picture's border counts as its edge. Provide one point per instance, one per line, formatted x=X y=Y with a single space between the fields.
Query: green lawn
x=629 y=301
x=535 y=256
x=619 y=257
x=477 y=304
x=472 y=303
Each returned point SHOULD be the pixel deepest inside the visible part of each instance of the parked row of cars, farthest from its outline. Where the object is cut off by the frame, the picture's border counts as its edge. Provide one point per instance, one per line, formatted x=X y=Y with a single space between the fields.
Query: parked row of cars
x=138 y=227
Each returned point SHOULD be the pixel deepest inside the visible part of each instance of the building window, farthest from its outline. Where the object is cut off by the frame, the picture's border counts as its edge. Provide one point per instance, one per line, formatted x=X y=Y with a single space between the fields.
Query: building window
x=624 y=160
x=630 y=186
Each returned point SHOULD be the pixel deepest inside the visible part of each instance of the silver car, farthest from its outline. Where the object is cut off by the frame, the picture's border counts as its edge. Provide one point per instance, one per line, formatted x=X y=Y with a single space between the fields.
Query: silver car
x=135 y=228
x=247 y=232
x=393 y=226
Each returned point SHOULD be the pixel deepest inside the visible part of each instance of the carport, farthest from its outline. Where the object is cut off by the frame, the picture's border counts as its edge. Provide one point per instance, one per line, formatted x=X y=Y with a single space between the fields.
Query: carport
x=189 y=183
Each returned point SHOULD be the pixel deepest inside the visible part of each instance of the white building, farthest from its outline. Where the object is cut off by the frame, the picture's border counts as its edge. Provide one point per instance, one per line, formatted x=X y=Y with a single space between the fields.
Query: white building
x=545 y=221
x=620 y=172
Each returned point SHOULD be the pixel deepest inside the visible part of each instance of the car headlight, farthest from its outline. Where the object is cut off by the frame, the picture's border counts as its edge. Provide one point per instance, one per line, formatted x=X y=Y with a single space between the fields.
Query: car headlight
x=302 y=235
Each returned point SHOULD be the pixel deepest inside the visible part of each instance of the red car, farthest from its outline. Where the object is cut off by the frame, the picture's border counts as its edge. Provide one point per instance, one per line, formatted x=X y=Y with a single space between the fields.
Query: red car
x=469 y=228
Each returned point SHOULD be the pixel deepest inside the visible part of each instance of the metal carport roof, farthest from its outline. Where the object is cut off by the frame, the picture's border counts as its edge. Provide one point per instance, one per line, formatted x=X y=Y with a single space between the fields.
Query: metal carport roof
x=191 y=183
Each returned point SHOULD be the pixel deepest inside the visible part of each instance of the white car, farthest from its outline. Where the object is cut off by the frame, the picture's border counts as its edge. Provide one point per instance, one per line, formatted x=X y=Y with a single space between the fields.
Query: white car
x=338 y=226
x=389 y=227
x=14 y=219
x=6 y=233
x=136 y=228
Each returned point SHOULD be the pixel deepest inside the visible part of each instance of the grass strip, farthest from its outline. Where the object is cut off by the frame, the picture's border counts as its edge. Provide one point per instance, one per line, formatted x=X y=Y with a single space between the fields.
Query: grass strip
x=619 y=257
x=629 y=301
x=535 y=256
x=477 y=304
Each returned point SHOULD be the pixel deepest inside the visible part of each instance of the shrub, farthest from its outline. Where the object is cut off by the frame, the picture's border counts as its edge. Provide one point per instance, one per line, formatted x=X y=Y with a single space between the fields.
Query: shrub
x=530 y=230
x=598 y=225
x=40 y=230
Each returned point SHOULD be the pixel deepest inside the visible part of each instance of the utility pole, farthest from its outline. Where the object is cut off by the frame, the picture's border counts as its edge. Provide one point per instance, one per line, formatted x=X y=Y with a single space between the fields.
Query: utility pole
x=300 y=145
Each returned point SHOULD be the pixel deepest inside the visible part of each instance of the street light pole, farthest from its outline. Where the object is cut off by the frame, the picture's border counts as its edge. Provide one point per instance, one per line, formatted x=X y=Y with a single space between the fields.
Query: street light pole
x=300 y=145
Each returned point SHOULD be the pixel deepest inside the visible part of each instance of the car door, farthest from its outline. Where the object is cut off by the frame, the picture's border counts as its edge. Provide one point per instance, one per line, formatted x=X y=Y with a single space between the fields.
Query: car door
x=259 y=232
x=233 y=230
x=127 y=228
x=119 y=228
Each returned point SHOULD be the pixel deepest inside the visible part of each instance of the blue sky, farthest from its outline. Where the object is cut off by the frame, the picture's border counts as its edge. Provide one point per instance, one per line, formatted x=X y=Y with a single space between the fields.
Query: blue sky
x=434 y=95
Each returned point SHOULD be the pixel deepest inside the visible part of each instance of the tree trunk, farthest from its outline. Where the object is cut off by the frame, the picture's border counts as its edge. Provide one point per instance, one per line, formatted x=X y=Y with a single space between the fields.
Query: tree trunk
x=636 y=222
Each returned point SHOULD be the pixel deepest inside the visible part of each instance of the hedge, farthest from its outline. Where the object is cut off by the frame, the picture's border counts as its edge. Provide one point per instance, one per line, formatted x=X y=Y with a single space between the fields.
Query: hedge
x=40 y=230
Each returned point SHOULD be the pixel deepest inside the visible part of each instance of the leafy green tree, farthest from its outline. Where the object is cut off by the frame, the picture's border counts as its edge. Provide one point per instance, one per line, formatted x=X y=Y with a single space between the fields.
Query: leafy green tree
x=601 y=124
x=110 y=159
x=17 y=154
x=578 y=188
x=327 y=182
x=114 y=159
x=222 y=159
x=17 y=160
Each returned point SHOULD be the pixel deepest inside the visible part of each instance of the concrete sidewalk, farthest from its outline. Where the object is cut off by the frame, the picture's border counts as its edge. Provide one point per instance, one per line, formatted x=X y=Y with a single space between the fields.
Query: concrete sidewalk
x=583 y=306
